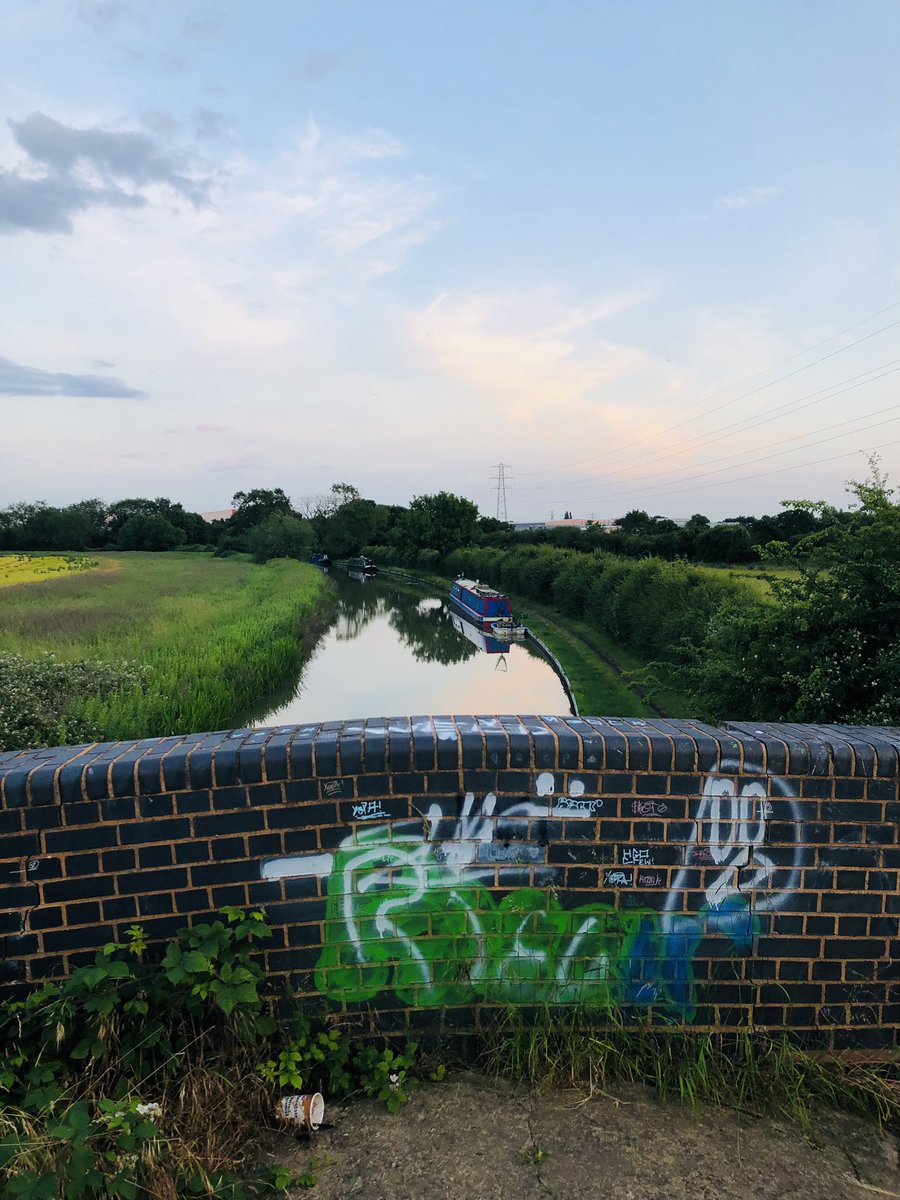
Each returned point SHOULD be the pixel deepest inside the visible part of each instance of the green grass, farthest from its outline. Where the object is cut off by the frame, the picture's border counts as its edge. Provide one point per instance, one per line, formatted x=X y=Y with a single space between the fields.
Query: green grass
x=598 y=689
x=756 y=579
x=753 y=1071
x=213 y=634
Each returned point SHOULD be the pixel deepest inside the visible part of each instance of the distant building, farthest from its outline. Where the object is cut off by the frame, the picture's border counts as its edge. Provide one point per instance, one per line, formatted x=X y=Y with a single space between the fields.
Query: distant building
x=221 y=514
x=565 y=523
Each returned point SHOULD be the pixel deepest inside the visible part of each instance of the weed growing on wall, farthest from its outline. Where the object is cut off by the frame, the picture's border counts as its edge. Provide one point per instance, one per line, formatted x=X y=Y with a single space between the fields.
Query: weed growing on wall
x=753 y=1071
x=137 y=1078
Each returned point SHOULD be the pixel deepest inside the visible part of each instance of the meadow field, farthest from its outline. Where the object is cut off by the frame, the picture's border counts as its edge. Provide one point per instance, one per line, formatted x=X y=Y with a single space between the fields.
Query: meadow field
x=33 y=568
x=186 y=642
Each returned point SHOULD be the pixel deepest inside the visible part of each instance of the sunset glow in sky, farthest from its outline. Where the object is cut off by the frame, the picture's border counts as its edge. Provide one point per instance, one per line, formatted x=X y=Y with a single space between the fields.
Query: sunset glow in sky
x=646 y=254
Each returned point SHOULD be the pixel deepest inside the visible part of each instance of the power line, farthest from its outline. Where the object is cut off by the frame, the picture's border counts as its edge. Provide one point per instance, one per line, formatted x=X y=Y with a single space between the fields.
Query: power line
x=698 y=443
x=777 y=470
x=758 y=474
x=742 y=396
x=762 y=458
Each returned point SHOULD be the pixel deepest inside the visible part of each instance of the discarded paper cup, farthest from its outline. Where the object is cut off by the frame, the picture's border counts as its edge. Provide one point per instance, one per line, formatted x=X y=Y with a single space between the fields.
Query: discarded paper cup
x=307 y=1112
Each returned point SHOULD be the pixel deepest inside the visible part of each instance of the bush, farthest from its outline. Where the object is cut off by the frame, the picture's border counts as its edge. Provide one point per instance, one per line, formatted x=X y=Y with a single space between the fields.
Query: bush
x=38 y=698
x=138 y=1078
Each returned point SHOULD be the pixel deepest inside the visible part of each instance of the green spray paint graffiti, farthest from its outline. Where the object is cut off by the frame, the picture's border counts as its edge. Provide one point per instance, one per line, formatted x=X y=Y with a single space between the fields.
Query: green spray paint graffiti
x=434 y=910
x=399 y=918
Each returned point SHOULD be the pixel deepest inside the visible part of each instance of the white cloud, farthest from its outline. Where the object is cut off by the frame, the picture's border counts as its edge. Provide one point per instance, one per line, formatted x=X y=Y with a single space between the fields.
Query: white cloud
x=750 y=197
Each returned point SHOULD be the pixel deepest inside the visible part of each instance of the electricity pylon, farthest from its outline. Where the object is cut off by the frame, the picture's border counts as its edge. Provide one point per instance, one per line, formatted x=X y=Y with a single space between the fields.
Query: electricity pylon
x=501 y=479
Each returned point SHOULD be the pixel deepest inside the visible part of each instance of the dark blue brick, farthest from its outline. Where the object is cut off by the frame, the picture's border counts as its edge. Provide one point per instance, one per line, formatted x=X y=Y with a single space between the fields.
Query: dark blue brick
x=156 y=806
x=425 y=744
x=400 y=745
x=275 y=756
x=301 y=791
x=250 y=761
x=122 y=771
x=149 y=774
x=200 y=768
x=519 y=743
x=350 y=751
x=300 y=761
x=225 y=766
x=174 y=769
x=375 y=743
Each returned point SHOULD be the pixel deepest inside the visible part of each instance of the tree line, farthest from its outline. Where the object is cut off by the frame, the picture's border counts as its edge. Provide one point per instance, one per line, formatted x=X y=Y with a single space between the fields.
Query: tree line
x=266 y=523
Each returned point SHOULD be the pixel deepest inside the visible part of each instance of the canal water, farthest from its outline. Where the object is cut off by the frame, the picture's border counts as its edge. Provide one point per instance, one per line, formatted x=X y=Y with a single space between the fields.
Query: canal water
x=395 y=650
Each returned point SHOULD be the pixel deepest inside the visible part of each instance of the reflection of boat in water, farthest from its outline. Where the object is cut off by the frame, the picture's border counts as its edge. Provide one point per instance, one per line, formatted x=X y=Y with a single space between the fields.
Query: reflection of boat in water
x=507 y=628
x=359 y=576
x=478 y=637
x=480 y=603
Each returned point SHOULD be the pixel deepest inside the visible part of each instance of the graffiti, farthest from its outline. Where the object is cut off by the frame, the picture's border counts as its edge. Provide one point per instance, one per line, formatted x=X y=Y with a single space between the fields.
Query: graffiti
x=367 y=810
x=334 y=787
x=648 y=808
x=636 y=856
x=576 y=806
x=412 y=908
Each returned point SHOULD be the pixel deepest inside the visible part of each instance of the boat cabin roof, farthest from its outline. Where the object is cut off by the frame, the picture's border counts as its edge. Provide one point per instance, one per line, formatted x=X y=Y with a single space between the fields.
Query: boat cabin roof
x=480 y=589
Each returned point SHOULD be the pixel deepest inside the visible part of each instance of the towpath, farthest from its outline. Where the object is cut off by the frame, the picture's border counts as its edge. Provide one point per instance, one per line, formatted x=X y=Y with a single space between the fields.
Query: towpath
x=471 y=1138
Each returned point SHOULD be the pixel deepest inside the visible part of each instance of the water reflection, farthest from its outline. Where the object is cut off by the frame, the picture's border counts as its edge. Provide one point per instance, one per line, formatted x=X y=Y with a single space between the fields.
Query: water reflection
x=394 y=649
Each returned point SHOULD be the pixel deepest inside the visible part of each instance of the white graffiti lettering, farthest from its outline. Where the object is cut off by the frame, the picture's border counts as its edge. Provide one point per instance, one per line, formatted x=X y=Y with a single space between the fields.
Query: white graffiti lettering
x=635 y=856
x=367 y=810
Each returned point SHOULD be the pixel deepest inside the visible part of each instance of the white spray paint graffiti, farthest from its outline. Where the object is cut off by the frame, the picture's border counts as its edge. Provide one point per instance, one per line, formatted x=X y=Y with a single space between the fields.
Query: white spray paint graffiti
x=411 y=907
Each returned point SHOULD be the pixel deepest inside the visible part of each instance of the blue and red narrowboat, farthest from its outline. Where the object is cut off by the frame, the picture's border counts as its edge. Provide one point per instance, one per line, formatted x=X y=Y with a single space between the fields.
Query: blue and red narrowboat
x=479 y=602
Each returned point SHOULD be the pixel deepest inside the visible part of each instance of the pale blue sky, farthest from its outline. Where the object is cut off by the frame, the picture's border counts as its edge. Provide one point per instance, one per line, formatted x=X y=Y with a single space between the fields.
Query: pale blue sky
x=288 y=243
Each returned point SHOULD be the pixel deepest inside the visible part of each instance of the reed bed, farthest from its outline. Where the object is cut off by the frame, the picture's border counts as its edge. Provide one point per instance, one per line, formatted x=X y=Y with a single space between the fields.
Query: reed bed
x=211 y=636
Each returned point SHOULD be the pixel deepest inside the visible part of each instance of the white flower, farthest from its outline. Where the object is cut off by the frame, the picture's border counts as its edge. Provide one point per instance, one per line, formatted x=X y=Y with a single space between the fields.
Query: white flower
x=149 y=1110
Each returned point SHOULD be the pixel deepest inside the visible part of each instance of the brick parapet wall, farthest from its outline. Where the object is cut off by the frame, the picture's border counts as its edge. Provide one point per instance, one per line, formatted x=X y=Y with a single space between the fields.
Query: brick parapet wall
x=416 y=870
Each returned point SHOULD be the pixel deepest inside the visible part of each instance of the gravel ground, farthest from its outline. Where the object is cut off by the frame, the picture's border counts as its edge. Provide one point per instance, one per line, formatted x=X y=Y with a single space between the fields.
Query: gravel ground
x=472 y=1138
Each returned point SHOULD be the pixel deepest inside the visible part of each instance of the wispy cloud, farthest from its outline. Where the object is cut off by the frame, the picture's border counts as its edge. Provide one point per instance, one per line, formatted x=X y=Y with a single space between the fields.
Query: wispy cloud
x=528 y=353
x=19 y=380
x=750 y=197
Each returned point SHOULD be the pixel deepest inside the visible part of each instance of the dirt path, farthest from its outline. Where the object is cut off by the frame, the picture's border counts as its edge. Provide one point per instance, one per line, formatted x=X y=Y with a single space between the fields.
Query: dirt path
x=470 y=1138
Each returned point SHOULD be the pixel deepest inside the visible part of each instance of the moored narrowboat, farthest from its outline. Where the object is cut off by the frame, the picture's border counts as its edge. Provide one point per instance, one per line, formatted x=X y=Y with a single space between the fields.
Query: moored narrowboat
x=479 y=602
x=363 y=564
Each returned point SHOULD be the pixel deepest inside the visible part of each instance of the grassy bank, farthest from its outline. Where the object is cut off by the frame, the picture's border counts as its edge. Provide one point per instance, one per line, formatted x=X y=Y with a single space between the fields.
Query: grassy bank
x=210 y=636
x=604 y=675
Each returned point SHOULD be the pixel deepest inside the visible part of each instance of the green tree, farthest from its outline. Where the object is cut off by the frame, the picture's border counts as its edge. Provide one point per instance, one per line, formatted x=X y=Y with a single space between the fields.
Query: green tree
x=724 y=544
x=826 y=648
x=351 y=526
x=439 y=522
x=280 y=536
x=253 y=507
x=150 y=531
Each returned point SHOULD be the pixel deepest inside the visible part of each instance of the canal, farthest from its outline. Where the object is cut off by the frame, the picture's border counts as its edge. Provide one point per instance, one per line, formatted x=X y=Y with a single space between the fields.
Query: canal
x=394 y=649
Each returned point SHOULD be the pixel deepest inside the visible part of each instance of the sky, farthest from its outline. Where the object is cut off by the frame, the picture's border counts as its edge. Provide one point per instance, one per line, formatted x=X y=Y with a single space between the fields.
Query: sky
x=645 y=255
